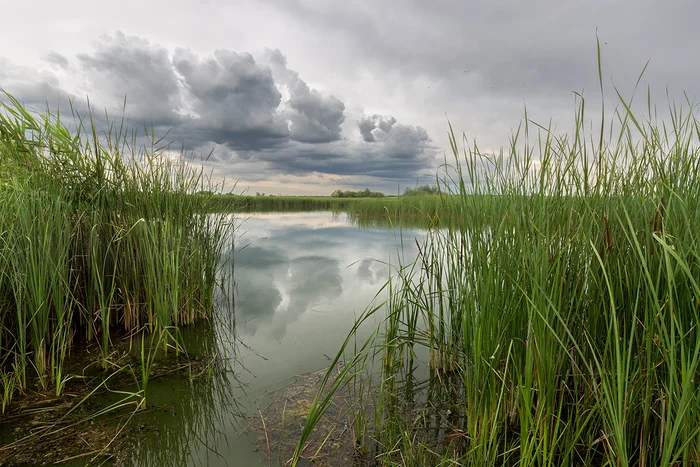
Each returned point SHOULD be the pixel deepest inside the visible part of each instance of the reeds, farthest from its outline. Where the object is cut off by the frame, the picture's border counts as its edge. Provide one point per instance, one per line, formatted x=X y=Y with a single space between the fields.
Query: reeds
x=556 y=322
x=419 y=210
x=98 y=239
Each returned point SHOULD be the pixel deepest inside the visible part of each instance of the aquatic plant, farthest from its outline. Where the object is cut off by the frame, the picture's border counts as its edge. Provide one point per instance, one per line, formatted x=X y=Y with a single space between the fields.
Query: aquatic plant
x=100 y=237
x=555 y=322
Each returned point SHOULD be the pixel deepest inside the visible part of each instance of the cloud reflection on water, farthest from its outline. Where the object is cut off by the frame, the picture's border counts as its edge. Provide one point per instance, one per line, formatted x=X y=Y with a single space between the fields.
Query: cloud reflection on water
x=291 y=266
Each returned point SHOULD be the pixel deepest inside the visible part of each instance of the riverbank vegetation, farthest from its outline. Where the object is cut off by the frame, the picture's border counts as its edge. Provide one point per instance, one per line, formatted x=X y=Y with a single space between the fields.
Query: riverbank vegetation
x=556 y=322
x=98 y=240
x=366 y=193
x=422 y=190
x=389 y=210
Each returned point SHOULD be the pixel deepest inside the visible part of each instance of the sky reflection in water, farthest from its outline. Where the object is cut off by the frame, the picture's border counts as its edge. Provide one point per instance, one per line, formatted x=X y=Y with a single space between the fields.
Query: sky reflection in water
x=301 y=280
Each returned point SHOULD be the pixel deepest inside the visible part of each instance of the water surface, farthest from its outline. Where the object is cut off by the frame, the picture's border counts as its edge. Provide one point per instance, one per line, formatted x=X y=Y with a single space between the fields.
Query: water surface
x=301 y=280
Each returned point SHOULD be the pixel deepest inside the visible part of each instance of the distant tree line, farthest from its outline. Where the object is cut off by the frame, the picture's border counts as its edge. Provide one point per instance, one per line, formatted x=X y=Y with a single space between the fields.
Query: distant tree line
x=366 y=193
x=422 y=190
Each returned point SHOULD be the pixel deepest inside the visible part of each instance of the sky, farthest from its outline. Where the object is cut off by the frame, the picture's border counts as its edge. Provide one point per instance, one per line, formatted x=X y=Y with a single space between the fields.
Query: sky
x=309 y=96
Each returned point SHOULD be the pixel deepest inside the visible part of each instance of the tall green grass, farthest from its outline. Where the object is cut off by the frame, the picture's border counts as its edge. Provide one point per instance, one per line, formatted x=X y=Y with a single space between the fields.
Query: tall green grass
x=99 y=238
x=556 y=322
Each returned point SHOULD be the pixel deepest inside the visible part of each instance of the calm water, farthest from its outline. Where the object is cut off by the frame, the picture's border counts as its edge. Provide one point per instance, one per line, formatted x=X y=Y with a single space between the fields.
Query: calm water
x=301 y=280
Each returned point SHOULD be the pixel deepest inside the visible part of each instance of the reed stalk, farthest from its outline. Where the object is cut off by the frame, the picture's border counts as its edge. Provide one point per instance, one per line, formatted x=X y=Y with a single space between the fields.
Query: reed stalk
x=100 y=237
x=554 y=320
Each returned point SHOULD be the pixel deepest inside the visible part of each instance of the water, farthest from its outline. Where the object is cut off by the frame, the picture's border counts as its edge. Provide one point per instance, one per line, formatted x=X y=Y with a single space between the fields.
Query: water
x=301 y=280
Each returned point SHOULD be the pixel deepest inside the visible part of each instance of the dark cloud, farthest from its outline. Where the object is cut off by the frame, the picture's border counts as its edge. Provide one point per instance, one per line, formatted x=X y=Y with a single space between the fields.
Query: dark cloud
x=234 y=100
x=397 y=151
x=478 y=63
x=404 y=141
x=406 y=152
x=375 y=127
x=313 y=118
x=261 y=117
x=127 y=66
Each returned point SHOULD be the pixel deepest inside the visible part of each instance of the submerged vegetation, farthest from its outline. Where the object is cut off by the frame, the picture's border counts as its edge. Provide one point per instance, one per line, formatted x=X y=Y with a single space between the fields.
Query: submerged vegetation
x=556 y=321
x=98 y=240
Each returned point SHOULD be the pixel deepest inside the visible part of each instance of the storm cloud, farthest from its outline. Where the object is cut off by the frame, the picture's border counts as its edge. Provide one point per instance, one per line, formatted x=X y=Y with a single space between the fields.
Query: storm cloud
x=259 y=116
x=334 y=91
x=403 y=152
x=233 y=100
x=133 y=68
x=375 y=127
x=313 y=118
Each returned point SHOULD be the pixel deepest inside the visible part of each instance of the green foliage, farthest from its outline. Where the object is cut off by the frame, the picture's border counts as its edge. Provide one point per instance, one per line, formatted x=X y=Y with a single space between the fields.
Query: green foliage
x=412 y=211
x=554 y=322
x=422 y=190
x=96 y=239
x=366 y=193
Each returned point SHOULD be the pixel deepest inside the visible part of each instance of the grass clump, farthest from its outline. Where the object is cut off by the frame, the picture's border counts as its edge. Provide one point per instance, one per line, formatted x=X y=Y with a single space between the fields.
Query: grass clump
x=556 y=321
x=98 y=239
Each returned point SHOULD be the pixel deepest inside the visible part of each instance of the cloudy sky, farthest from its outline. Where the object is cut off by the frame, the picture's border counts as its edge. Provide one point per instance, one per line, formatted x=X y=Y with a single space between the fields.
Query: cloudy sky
x=306 y=96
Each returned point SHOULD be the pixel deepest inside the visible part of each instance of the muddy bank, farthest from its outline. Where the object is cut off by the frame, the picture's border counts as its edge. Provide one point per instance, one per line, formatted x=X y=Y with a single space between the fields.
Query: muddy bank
x=283 y=412
x=95 y=419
